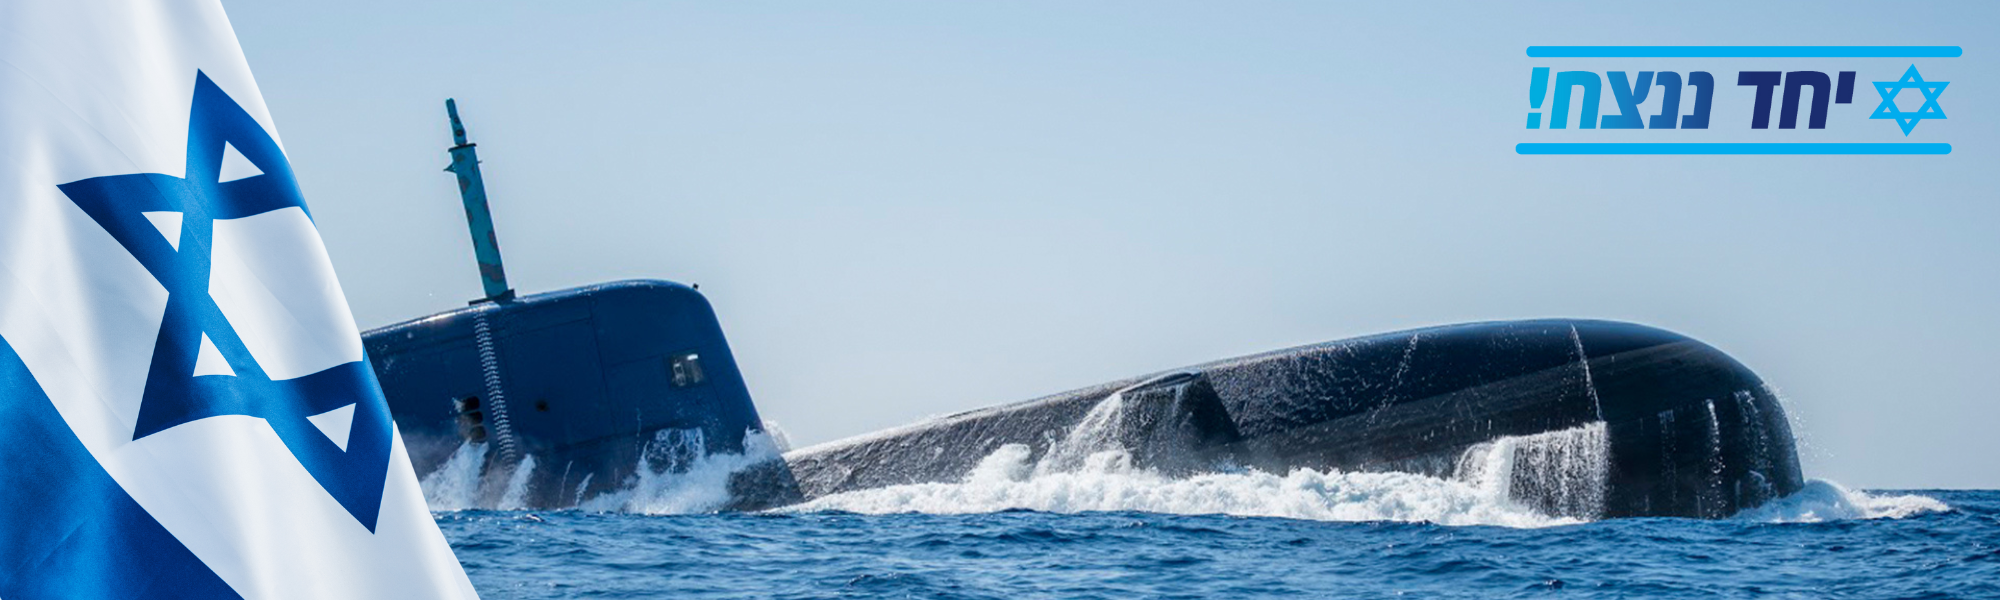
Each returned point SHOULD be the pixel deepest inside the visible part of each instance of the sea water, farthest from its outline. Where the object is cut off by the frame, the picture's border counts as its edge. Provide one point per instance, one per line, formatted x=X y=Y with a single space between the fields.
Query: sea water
x=1093 y=526
x=1925 y=553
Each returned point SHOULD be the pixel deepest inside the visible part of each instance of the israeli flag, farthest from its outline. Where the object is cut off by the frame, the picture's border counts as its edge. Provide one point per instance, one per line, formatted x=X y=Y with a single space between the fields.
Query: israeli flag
x=185 y=407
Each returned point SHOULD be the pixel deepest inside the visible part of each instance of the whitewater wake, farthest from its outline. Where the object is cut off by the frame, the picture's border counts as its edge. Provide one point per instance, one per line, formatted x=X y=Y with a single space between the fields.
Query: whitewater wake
x=464 y=482
x=1006 y=480
x=1822 y=501
x=1062 y=482
x=675 y=475
x=1561 y=475
x=689 y=480
x=1543 y=480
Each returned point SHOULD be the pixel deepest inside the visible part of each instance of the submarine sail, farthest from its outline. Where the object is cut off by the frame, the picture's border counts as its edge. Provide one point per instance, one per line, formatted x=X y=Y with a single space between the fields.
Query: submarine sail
x=566 y=389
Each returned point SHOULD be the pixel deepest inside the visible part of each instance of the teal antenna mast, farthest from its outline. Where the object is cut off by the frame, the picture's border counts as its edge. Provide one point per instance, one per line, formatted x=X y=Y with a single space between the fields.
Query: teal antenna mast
x=472 y=189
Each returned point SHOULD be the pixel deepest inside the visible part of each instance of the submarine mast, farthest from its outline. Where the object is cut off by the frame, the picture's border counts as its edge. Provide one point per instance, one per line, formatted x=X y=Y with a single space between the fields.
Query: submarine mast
x=472 y=190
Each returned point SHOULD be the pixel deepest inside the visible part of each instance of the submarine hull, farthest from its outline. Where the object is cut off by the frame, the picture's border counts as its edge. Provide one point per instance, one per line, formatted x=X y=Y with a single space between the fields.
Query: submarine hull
x=1668 y=426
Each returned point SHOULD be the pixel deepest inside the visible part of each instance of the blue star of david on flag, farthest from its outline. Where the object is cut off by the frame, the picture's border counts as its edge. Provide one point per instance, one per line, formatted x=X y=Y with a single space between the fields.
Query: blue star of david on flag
x=1911 y=80
x=201 y=366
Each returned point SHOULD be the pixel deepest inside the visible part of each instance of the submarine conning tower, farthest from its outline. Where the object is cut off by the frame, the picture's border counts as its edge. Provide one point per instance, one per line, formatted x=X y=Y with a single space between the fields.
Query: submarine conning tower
x=1599 y=419
x=580 y=385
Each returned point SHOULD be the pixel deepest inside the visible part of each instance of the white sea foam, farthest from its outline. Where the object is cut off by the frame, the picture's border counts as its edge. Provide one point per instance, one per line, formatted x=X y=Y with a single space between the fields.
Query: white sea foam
x=1087 y=472
x=514 y=495
x=463 y=481
x=1106 y=481
x=1563 y=472
x=1822 y=500
x=1568 y=468
x=1066 y=481
x=780 y=440
x=456 y=484
x=678 y=477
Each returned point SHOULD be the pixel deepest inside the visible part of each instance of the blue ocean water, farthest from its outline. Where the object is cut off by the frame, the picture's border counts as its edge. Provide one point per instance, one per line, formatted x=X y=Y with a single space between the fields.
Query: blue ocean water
x=1388 y=541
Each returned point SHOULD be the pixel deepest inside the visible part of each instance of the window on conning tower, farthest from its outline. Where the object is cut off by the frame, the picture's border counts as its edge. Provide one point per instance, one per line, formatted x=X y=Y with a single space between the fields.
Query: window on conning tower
x=685 y=369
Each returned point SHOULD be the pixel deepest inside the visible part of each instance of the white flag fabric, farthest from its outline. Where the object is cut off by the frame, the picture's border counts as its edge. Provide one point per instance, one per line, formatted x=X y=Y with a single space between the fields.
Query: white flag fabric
x=186 y=410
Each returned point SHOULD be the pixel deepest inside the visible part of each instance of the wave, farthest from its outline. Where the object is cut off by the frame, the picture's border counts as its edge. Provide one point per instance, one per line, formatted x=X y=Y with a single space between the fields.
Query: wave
x=1005 y=480
x=1553 y=478
x=1821 y=501
x=690 y=481
x=1549 y=479
x=464 y=482
x=1543 y=480
x=675 y=475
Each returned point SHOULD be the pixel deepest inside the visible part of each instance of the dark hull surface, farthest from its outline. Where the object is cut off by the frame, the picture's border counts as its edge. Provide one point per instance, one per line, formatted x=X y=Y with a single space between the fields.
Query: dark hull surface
x=1685 y=429
x=583 y=381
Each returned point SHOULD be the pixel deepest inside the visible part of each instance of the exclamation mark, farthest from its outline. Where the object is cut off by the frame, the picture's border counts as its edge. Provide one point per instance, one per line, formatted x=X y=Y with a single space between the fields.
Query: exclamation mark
x=1538 y=86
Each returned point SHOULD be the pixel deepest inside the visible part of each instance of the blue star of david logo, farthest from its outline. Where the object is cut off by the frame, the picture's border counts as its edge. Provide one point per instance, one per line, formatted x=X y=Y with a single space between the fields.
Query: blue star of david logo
x=1910 y=80
x=174 y=393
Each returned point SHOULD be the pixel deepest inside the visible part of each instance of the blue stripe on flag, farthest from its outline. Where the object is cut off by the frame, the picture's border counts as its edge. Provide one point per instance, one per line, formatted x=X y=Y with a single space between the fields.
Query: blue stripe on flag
x=71 y=531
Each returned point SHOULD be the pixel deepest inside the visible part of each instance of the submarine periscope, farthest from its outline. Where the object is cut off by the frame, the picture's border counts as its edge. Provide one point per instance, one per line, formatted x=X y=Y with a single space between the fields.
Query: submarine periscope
x=574 y=392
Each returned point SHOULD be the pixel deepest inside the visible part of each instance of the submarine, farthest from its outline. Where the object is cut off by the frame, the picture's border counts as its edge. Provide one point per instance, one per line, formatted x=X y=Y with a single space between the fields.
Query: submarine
x=575 y=393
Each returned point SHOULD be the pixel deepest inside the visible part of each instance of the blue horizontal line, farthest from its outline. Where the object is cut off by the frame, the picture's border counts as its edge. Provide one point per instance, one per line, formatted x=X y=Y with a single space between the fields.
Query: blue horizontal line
x=1744 y=51
x=1746 y=148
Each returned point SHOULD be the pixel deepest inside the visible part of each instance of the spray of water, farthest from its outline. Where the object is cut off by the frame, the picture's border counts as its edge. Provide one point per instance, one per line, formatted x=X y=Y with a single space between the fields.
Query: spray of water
x=1007 y=479
x=1541 y=480
x=455 y=485
x=678 y=477
x=1560 y=472
x=1824 y=500
x=1093 y=437
x=464 y=481
x=1088 y=470
x=675 y=475
x=780 y=440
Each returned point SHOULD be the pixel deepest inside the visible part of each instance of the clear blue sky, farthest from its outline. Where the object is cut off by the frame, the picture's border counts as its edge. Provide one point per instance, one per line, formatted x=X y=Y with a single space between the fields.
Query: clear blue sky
x=913 y=208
